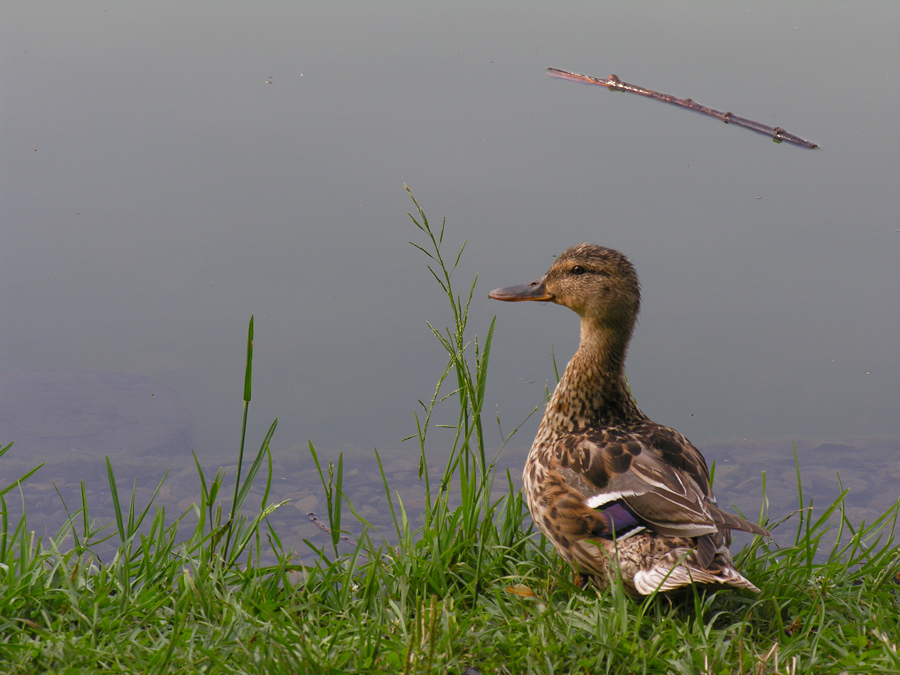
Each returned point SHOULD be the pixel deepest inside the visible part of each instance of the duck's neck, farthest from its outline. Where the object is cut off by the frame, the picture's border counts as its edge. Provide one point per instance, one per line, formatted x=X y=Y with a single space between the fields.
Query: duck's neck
x=593 y=391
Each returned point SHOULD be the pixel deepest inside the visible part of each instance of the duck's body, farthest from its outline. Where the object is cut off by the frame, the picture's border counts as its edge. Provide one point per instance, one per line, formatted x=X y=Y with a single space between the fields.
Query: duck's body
x=602 y=481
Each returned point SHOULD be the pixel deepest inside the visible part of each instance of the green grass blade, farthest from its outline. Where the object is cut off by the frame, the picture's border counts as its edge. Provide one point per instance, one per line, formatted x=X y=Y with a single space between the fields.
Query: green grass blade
x=254 y=468
x=248 y=372
x=114 y=495
x=21 y=479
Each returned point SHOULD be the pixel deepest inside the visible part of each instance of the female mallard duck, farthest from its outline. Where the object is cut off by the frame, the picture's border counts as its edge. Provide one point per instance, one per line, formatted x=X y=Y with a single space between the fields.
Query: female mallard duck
x=601 y=479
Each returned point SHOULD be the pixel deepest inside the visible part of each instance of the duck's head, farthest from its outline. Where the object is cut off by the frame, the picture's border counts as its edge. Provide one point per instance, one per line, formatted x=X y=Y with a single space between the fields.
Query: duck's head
x=598 y=283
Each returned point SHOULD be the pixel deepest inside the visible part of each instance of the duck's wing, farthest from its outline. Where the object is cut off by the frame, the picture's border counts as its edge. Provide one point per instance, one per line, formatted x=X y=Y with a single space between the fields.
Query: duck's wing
x=679 y=456
x=656 y=473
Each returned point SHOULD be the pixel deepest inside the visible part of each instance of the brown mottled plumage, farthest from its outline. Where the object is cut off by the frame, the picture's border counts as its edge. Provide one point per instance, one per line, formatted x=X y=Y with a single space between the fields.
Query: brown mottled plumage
x=599 y=467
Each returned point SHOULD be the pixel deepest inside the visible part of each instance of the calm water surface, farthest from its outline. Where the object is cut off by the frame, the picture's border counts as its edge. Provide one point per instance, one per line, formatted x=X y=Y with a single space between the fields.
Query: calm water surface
x=169 y=169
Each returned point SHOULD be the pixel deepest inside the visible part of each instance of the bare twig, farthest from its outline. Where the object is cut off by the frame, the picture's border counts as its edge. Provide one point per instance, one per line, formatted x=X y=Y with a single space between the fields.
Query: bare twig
x=318 y=523
x=613 y=83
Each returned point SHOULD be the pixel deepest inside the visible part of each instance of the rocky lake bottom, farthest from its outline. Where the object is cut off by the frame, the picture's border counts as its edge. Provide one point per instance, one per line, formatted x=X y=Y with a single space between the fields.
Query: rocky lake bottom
x=869 y=469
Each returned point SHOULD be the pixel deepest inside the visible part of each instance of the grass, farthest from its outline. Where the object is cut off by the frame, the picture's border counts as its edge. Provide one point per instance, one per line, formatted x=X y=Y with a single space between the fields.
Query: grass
x=472 y=588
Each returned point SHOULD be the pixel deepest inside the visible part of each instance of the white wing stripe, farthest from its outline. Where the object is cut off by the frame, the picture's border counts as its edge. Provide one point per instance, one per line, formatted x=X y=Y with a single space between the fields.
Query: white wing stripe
x=596 y=501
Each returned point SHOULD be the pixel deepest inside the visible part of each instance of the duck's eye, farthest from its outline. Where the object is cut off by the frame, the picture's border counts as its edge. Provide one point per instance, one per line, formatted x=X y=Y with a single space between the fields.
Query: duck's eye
x=578 y=270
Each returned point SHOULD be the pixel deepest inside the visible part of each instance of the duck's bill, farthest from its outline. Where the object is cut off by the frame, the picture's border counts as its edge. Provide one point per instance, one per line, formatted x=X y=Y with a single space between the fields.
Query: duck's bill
x=536 y=290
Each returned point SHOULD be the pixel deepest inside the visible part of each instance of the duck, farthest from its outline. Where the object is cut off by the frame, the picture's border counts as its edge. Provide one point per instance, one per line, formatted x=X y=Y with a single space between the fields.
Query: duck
x=617 y=494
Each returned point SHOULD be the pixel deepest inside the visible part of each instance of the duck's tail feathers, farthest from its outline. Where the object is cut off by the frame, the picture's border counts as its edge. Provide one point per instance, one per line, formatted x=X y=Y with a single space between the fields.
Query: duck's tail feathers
x=661 y=578
x=731 y=522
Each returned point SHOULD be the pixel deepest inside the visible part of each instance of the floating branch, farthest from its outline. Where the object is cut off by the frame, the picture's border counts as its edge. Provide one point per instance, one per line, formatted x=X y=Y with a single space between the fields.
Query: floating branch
x=318 y=523
x=613 y=83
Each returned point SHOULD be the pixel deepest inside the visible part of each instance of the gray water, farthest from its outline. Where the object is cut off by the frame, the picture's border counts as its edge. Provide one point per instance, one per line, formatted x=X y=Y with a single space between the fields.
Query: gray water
x=169 y=169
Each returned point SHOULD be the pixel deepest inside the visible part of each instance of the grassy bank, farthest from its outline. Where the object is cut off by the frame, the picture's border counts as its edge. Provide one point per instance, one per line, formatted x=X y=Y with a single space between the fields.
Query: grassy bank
x=472 y=588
